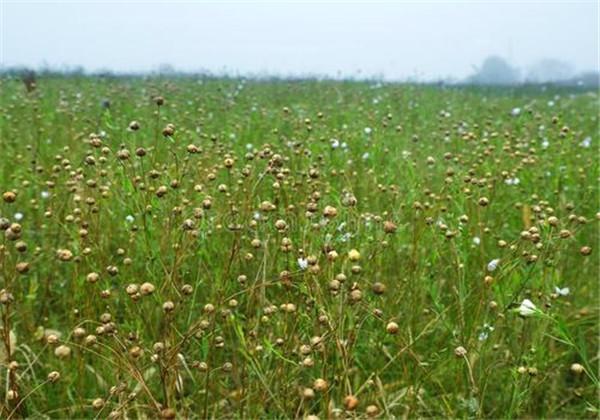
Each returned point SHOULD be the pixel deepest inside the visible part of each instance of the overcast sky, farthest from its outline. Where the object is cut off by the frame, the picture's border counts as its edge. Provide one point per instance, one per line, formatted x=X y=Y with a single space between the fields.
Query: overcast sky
x=430 y=39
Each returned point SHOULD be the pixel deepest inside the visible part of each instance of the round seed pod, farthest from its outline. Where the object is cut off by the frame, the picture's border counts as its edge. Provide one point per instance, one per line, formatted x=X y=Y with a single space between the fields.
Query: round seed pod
x=392 y=328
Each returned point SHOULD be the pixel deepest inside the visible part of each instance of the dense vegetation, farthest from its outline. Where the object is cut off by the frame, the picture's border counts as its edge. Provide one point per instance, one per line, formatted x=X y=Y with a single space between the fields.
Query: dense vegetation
x=234 y=248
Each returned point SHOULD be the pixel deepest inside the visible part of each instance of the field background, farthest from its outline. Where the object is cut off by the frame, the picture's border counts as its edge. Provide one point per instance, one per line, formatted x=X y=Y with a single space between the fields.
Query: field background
x=390 y=299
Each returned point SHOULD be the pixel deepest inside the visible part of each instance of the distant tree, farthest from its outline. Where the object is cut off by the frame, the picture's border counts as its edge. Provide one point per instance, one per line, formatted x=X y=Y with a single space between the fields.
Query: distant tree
x=28 y=78
x=549 y=70
x=495 y=71
x=77 y=71
x=105 y=73
x=590 y=79
x=166 y=69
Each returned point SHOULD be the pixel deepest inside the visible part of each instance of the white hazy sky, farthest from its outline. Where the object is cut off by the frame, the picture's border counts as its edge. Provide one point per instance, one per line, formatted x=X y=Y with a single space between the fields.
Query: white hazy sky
x=428 y=39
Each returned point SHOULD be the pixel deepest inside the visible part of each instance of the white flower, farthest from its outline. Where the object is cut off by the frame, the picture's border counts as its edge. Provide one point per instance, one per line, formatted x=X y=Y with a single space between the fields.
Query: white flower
x=344 y=145
x=527 y=308
x=587 y=142
x=256 y=215
x=550 y=103
x=365 y=156
x=45 y=194
x=545 y=144
x=129 y=218
x=492 y=265
x=487 y=328
x=562 y=292
x=18 y=216
x=512 y=181
x=476 y=240
x=515 y=111
x=368 y=130
x=302 y=263
x=249 y=146
x=335 y=143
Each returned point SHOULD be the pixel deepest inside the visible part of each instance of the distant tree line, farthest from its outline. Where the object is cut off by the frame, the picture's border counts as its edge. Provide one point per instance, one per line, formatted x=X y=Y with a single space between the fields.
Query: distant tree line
x=497 y=71
x=494 y=71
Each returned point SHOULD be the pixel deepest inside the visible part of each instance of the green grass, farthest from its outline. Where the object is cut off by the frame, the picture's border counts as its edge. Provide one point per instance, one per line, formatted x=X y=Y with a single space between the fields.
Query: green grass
x=251 y=331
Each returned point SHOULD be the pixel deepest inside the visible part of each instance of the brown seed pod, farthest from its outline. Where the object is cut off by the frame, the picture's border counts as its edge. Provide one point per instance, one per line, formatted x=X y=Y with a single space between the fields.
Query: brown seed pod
x=53 y=376
x=4 y=223
x=350 y=402
x=389 y=227
x=355 y=295
x=22 y=267
x=136 y=352
x=353 y=255
x=161 y=191
x=460 y=351
x=577 y=368
x=123 y=154
x=308 y=393
x=378 y=288
x=564 y=234
x=9 y=196
x=64 y=255
x=93 y=277
x=372 y=410
x=147 y=289
x=98 y=403
x=169 y=130
x=168 y=414
x=192 y=149
x=392 y=328
x=320 y=385
x=62 y=351
x=330 y=212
